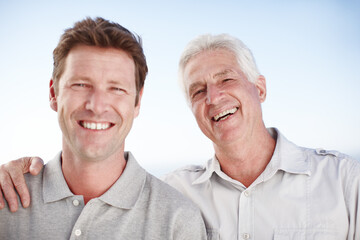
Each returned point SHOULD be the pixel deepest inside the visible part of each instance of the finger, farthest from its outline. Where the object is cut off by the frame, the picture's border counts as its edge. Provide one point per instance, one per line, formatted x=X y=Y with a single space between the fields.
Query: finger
x=17 y=177
x=8 y=191
x=36 y=165
x=18 y=180
x=11 y=198
x=2 y=202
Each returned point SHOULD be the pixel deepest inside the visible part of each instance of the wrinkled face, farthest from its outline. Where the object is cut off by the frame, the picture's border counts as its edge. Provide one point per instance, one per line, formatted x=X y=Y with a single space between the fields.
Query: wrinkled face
x=96 y=101
x=227 y=107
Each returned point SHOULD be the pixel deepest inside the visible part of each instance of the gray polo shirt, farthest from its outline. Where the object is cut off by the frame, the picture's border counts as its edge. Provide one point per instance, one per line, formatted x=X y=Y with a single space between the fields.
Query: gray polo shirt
x=137 y=206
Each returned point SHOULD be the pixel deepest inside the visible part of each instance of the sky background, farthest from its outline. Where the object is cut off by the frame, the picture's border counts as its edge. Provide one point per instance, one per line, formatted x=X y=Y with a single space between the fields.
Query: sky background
x=309 y=52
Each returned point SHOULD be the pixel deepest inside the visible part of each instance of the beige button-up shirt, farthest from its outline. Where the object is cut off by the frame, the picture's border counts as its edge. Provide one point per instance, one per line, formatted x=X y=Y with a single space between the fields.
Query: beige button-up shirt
x=302 y=194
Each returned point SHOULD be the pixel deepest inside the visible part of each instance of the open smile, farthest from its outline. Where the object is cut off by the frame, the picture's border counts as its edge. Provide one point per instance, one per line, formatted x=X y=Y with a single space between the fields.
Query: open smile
x=96 y=125
x=224 y=115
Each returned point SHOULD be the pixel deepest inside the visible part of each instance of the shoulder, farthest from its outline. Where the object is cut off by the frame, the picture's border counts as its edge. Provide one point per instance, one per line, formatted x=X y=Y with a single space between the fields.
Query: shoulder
x=339 y=170
x=34 y=180
x=184 y=175
x=167 y=193
x=334 y=167
x=154 y=192
x=316 y=159
x=331 y=159
x=35 y=185
x=173 y=205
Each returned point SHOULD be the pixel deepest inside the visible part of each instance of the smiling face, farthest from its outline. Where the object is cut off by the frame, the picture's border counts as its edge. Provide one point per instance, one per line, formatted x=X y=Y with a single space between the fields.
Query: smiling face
x=95 y=101
x=227 y=107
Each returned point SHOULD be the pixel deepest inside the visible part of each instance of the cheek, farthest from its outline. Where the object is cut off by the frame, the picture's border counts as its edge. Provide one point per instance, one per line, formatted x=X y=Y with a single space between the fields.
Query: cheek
x=125 y=107
x=196 y=111
x=200 y=116
x=67 y=106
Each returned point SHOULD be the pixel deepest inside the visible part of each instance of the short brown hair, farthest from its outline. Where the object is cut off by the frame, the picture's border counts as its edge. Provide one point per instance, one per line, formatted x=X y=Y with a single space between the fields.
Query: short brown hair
x=101 y=33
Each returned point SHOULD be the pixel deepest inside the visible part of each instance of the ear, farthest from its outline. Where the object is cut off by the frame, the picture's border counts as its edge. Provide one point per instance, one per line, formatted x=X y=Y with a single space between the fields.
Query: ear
x=52 y=96
x=137 y=107
x=261 y=87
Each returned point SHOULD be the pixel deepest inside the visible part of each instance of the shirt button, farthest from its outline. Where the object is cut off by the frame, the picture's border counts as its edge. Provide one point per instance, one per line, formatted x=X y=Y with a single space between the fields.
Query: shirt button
x=246 y=236
x=246 y=194
x=77 y=232
x=76 y=202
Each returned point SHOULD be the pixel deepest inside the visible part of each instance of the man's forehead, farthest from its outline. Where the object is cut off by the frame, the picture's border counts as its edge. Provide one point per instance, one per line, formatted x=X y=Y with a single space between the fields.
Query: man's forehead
x=218 y=61
x=92 y=62
x=198 y=75
x=216 y=75
x=83 y=54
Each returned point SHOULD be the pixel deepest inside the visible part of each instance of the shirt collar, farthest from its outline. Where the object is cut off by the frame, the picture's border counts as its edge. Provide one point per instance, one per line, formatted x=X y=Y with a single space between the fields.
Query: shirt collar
x=127 y=189
x=123 y=194
x=287 y=157
x=212 y=165
x=54 y=185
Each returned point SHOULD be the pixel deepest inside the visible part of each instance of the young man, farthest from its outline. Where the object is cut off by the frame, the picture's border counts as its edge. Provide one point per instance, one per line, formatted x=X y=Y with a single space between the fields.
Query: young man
x=93 y=189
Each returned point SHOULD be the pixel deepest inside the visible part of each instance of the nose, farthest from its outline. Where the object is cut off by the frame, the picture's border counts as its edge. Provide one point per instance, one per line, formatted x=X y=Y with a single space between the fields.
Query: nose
x=97 y=102
x=213 y=94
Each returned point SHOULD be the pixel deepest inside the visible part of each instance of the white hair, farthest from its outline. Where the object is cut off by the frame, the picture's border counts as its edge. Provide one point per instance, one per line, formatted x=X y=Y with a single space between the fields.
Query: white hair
x=213 y=42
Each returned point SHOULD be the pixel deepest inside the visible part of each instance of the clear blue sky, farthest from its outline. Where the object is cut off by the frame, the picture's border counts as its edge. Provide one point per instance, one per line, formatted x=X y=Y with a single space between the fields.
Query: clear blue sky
x=309 y=52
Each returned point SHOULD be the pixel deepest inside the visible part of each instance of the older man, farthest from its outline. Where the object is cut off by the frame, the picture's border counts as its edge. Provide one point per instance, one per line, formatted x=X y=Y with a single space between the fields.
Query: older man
x=258 y=185
x=93 y=189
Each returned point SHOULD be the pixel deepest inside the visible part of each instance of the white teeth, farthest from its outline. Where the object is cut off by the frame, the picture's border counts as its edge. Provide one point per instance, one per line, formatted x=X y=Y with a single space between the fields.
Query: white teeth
x=224 y=113
x=95 y=126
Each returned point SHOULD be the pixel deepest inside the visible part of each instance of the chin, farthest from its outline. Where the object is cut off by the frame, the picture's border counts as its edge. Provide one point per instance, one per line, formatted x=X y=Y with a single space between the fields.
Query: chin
x=227 y=138
x=93 y=154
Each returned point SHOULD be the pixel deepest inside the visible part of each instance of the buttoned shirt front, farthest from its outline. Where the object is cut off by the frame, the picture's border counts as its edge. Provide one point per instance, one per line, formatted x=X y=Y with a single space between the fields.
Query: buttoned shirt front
x=302 y=194
x=137 y=206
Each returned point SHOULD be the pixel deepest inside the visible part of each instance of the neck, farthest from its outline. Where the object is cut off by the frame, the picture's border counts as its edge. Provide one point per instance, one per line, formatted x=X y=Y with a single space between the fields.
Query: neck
x=91 y=179
x=245 y=160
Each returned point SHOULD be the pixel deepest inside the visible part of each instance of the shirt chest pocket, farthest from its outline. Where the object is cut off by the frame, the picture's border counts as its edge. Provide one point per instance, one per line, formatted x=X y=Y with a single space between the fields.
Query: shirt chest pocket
x=305 y=234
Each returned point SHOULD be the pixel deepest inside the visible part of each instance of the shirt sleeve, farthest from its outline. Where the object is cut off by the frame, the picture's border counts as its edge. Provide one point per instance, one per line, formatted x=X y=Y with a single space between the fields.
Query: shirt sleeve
x=352 y=193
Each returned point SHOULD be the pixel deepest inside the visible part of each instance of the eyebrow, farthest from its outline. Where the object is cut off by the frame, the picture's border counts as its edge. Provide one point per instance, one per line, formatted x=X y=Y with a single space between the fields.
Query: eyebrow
x=223 y=73
x=79 y=77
